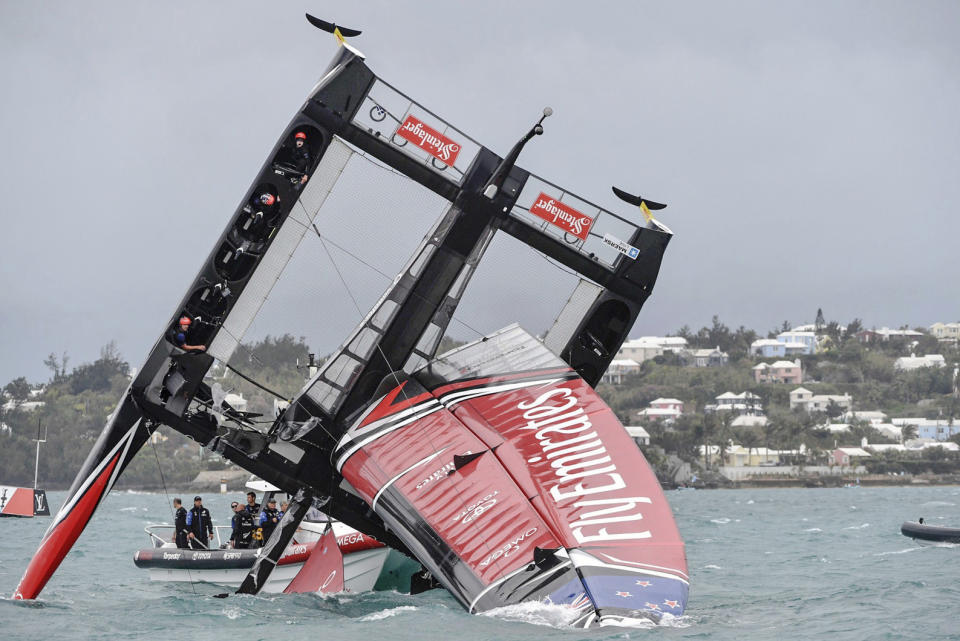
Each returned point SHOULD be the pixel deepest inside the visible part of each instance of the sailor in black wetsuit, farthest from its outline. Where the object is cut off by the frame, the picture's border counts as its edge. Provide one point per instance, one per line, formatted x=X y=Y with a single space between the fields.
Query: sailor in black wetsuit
x=252 y=507
x=180 y=524
x=300 y=155
x=199 y=524
x=269 y=519
x=243 y=527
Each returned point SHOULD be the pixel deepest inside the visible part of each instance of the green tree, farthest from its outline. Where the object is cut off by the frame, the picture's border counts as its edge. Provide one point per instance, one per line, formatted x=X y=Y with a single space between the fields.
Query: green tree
x=18 y=389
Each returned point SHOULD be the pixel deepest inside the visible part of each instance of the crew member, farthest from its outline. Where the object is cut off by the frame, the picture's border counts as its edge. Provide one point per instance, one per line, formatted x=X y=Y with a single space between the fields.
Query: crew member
x=181 y=336
x=243 y=526
x=283 y=508
x=180 y=530
x=300 y=155
x=269 y=519
x=200 y=525
x=252 y=506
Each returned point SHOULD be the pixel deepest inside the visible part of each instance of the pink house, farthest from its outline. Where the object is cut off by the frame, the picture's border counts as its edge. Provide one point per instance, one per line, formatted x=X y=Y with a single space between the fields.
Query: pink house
x=846 y=456
x=779 y=372
x=662 y=409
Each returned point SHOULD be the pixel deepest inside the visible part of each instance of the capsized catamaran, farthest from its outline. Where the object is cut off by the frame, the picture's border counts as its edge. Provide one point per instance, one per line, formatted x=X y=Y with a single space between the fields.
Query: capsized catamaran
x=495 y=465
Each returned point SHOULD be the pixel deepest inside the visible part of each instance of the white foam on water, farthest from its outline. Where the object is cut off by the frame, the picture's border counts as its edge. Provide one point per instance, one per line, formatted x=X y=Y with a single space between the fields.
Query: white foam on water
x=233 y=613
x=750 y=502
x=128 y=509
x=903 y=551
x=857 y=527
x=720 y=521
x=537 y=613
x=813 y=529
x=937 y=504
x=390 y=612
x=712 y=567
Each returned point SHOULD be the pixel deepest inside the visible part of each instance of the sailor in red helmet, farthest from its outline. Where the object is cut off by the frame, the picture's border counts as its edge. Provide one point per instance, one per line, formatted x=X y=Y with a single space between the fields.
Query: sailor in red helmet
x=300 y=155
x=181 y=336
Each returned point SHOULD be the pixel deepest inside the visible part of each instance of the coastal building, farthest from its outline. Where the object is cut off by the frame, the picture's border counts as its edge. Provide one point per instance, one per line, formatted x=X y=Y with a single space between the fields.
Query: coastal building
x=930 y=428
x=912 y=362
x=638 y=434
x=649 y=347
x=886 y=334
x=704 y=357
x=913 y=445
x=778 y=372
x=619 y=369
x=748 y=420
x=768 y=348
x=847 y=456
x=946 y=332
x=807 y=400
x=798 y=343
x=874 y=416
x=665 y=410
x=743 y=403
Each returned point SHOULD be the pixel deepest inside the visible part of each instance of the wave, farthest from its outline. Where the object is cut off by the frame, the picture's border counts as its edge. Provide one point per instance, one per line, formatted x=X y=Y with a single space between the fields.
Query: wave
x=720 y=521
x=857 y=527
x=390 y=612
x=550 y=615
x=813 y=529
x=712 y=567
x=903 y=551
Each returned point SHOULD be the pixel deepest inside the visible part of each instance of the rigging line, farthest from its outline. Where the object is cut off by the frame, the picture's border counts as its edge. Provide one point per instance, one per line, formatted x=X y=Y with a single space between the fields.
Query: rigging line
x=403 y=392
x=374 y=268
x=250 y=380
x=172 y=513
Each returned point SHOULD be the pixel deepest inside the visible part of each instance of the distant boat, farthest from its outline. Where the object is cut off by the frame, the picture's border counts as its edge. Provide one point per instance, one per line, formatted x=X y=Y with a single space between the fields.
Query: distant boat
x=24 y=501
x=934 y=533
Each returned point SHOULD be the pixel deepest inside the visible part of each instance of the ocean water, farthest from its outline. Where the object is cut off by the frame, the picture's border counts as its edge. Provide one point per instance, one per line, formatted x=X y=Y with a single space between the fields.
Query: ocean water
x=764 y=564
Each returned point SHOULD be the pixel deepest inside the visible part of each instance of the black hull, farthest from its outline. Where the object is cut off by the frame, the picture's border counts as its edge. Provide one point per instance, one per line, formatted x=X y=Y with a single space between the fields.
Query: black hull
x=936 y=533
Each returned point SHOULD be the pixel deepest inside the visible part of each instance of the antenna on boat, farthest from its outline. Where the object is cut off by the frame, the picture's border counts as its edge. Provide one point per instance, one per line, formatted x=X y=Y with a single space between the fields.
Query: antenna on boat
x=496 y=180
x=36 y=467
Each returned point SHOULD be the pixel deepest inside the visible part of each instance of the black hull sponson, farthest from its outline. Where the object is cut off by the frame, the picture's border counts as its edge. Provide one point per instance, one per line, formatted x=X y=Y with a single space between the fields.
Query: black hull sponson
x=925 y=532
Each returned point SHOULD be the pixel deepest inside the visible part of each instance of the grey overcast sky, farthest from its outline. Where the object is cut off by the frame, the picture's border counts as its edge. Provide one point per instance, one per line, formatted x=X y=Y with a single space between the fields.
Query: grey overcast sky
x=809 y=153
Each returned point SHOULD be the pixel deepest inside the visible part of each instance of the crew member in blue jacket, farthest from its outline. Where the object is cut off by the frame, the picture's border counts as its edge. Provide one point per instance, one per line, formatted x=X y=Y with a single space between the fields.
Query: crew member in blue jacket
x=199 y=524
x=269 y=519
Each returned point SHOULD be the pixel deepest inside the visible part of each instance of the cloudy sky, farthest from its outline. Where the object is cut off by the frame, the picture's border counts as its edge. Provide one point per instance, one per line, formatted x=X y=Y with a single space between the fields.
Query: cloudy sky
x=809 y=153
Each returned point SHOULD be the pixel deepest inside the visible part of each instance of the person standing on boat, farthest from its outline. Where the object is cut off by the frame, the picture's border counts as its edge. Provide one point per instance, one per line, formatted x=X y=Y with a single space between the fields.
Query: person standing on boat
x=269 y=519
x=243 y=527
x=252 y=507
x=180 y=530
x=199 y=524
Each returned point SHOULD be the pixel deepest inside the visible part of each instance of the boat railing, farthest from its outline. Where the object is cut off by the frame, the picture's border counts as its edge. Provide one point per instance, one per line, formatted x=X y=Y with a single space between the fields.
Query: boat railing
x=161 y=535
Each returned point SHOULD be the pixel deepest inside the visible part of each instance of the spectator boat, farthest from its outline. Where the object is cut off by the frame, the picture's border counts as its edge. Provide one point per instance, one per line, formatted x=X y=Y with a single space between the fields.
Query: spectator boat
x=930 y=533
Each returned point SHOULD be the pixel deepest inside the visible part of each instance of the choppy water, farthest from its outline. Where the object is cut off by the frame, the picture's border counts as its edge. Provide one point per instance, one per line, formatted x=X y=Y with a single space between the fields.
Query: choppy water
x=765 y=564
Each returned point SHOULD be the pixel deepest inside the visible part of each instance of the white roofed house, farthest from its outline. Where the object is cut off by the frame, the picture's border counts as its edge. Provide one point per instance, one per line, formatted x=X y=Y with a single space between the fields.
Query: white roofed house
x=649 y=347
x=779 y=372
x=768 y=348
x=743 y=403
x=810 y=402
x=946 y=332
x=848 y=456
x=619 y=369
x=872 y=417
x=704 y=357
x=638 y=434
x=796 y=343
x=912 y=362
x=665 y=410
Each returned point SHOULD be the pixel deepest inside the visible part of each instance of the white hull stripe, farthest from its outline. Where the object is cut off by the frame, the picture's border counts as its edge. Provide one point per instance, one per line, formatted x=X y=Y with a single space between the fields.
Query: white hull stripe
x=452 y=398
x=401 y=474
x=371 y=438
x=124 y=442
